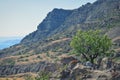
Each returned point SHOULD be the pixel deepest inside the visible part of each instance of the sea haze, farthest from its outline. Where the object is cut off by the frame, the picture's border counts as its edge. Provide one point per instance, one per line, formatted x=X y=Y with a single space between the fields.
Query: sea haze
x=6 y=42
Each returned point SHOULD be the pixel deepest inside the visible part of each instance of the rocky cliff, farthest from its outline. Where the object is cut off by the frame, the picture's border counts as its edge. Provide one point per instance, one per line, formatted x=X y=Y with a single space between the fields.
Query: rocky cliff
x=102 y=13
x=54 y=19
x=33 y=67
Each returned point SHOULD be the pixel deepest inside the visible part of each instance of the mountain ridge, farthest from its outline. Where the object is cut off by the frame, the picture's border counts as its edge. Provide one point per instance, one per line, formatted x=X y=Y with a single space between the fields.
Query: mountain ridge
x=88 y=13
x=47 y=25
x=52 y=38
x=60 y=23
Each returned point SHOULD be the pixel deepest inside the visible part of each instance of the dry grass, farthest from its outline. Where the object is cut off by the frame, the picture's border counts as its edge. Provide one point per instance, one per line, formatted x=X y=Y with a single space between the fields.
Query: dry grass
x=13 y=57
x=33 y=59
x=29 y=58
x=116 y=38
x=12 y=79
x=56 y=41
x=118 y=49
x=18 y=76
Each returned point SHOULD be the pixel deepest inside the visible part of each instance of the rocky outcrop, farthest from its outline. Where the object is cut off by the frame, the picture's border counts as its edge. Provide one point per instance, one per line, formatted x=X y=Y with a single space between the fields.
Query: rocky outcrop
x=67 y=60
x=115 y=76
x=64 y=22
x=54 y=19
x=7 y=70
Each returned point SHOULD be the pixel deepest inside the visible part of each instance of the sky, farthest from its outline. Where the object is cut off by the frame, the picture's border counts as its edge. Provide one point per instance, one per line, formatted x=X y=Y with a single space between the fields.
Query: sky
x=21 y=17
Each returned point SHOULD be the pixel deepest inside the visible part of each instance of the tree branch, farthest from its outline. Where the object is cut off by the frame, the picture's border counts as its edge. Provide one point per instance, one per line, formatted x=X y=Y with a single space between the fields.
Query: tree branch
x=85 y=56
x=95 y=55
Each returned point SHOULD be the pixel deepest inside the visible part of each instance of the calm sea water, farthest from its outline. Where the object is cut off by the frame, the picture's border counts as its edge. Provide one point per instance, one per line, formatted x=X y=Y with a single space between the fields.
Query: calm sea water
x=6 y=42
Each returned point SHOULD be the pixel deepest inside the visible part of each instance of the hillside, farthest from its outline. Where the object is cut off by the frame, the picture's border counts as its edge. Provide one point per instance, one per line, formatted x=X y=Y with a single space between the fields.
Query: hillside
x=60 y=23
x=50 y=42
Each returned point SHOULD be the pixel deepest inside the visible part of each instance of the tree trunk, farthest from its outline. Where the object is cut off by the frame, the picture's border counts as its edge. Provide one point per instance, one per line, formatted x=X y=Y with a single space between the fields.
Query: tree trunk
x=85 y=57
x=92 y=60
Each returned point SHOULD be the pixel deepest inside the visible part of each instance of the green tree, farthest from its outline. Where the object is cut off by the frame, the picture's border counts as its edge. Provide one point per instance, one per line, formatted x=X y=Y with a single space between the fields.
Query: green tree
x=91 y=44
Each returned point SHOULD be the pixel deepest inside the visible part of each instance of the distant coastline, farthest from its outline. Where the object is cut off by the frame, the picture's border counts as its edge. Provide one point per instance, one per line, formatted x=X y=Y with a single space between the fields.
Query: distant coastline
x=6 y=42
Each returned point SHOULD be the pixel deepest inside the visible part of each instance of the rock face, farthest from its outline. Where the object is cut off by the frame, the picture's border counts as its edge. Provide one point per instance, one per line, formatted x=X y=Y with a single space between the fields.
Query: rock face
x=115 y=76
x=67 y=60
x=53 y=20
x=81 y=73
x=34 y=67
x=89 y=16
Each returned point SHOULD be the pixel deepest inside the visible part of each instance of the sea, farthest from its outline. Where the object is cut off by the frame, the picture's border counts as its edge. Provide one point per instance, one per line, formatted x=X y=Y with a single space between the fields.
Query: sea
x=6 y=42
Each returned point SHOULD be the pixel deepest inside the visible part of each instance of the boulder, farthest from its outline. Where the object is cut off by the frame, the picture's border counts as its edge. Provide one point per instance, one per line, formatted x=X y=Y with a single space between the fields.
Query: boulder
x=115 y=76
x=102 y=77
x=107 y=63
x=88 y=65
x=67 y=60
x=117 y=55
x=65 y=74
x=7 y=70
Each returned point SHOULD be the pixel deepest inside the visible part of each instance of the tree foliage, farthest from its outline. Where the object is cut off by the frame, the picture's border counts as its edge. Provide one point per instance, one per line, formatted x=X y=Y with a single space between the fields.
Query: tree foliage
x=91 y=44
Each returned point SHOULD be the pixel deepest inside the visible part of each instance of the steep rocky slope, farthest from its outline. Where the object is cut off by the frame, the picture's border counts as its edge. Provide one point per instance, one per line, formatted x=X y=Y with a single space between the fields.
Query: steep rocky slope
x=54 y=19
x=54 y=33
x=59 y=23
x=102 y=13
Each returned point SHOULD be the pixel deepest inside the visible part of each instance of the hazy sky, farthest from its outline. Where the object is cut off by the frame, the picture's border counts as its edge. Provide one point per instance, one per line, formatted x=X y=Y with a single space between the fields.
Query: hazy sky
x=21 y=17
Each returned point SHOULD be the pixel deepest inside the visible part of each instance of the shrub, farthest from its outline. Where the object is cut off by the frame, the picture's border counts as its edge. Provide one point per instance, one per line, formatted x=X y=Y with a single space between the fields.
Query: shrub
x=8 y=61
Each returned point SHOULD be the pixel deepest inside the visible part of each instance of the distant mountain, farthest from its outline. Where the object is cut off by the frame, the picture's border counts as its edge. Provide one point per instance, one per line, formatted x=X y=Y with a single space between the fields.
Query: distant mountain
x=60 y=23
x=6 y=42
x=53 y=21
